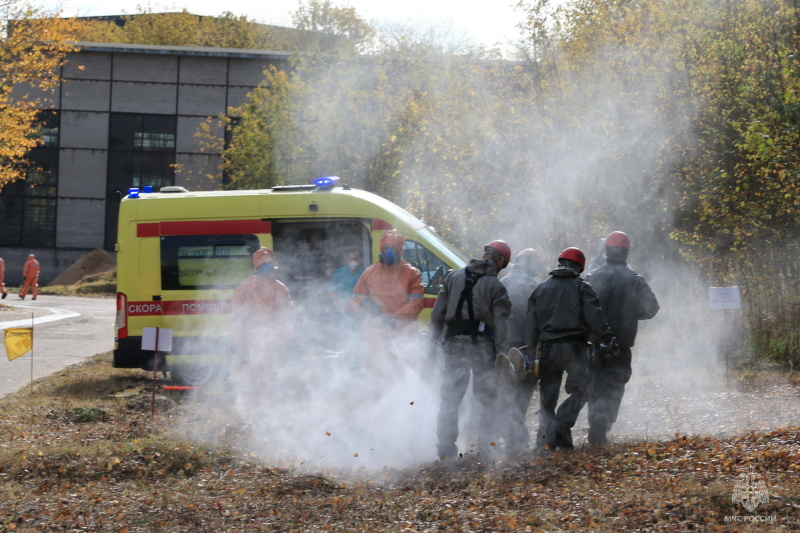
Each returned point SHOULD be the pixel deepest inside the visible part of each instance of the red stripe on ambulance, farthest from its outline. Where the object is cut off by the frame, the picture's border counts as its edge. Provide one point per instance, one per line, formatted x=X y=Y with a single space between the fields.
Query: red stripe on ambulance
x=203 y=227
x=179 y=307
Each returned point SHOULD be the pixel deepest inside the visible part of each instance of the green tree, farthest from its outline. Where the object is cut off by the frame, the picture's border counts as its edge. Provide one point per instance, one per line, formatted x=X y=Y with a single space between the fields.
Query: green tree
x=722 y=79
x=324 y=17
x=676 y=120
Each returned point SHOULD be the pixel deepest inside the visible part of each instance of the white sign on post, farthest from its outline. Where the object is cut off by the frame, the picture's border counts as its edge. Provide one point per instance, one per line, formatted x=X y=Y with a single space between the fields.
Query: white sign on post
x=724 y=298
x=164 y=339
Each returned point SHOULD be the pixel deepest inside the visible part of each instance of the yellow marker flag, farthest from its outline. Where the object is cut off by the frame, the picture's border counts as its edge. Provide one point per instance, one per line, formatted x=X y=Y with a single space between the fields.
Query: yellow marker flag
x=19 y=341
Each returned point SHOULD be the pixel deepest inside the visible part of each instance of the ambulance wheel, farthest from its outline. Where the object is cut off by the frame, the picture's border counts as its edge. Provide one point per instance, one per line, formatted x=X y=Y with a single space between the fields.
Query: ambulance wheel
x=198 y=375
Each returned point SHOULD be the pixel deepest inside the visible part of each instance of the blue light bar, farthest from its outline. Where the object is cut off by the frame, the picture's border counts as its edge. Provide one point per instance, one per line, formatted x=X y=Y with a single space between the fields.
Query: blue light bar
x=147 y=188
x=326 y=181
x=133 y=192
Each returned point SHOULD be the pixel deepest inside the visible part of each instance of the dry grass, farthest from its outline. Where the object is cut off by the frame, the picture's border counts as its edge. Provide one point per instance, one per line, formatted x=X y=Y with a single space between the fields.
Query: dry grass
x=104 y=284
x=99 y=285
x=92 y=457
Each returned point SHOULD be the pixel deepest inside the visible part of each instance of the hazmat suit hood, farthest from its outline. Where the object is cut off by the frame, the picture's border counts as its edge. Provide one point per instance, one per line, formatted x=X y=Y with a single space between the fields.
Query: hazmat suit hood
x=262 y=256
x=392 y=242
x=393 y=239
x=486 y=267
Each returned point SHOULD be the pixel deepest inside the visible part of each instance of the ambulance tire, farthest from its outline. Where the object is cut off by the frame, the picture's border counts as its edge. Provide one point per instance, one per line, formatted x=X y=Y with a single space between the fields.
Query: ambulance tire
x=199 y=375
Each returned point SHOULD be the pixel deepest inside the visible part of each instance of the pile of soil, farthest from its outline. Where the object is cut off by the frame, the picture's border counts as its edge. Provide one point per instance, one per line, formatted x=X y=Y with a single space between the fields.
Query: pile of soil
x=95 y=262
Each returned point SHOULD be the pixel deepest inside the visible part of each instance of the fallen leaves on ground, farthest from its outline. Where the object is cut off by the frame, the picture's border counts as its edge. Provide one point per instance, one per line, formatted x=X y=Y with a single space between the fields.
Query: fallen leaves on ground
x=127 y=471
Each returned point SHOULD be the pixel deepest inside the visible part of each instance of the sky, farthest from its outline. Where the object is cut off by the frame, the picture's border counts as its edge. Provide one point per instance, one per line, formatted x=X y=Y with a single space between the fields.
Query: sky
x=484 y=22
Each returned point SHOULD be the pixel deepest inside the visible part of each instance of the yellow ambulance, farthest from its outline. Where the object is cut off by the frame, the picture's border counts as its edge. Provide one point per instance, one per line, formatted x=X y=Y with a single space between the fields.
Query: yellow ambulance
x=181 y=254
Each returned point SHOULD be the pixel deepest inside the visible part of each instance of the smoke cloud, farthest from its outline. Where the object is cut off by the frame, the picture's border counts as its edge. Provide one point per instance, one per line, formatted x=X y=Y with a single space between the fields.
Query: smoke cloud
x=570 y=183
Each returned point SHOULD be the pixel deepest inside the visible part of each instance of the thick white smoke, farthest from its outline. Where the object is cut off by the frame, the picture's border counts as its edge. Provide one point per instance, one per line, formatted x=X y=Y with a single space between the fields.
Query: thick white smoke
x=322 y=409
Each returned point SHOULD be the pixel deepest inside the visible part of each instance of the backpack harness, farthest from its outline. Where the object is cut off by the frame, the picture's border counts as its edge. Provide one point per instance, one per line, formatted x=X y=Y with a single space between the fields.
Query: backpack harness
x=468 y=326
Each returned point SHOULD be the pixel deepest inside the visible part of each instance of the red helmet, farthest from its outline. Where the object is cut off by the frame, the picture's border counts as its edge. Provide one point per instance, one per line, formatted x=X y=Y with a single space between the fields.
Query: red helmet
x=529 y=252
x=574 y=254
x=618 y=240
x=501 y=247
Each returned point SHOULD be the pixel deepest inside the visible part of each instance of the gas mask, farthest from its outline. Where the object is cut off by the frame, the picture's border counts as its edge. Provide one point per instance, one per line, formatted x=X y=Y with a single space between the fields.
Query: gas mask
x=265 y=269
x=388 y=257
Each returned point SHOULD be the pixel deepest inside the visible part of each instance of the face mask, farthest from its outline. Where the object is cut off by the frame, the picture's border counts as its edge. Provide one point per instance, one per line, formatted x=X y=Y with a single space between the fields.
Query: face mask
x=354 y=265
x=387 y=257
x=264 y=269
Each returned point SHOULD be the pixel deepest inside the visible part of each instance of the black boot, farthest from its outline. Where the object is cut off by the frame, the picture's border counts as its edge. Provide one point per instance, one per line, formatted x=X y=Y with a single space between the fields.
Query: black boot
x=564 y=439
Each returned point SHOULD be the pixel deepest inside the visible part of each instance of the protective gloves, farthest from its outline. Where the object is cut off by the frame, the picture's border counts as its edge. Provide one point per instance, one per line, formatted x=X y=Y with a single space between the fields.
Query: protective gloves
x=609 y=349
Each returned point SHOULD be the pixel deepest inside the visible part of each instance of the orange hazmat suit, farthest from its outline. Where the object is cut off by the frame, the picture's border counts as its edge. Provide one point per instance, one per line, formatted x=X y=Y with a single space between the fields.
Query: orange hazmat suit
x=31 y=274
x=261 y=312
x=395 y=288
x=2 y=277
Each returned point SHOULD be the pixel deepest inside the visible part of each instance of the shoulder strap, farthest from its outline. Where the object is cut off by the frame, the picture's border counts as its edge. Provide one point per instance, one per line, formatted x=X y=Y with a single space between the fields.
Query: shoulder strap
x=466 y=295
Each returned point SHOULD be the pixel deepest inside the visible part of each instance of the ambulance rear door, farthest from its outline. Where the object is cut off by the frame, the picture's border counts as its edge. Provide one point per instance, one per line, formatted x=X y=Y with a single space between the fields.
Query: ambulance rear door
x=202 y=262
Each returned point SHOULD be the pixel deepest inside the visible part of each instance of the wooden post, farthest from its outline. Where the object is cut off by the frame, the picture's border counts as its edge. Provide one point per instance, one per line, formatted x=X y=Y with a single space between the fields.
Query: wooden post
x=155 y=373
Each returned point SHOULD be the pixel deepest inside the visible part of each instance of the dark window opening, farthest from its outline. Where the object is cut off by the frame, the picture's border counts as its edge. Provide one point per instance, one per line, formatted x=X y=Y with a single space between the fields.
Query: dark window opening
x=141 y=152
x=28 y=207
x=432 y=268
x=303 y=249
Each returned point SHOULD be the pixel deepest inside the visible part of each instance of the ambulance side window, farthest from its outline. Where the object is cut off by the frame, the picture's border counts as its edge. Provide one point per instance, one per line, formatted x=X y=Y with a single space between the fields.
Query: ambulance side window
x=206 y=261
x=432 y=268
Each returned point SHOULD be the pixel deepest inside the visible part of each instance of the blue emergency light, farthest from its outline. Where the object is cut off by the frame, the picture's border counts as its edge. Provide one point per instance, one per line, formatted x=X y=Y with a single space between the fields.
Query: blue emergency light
x=147 y=188
x=133 y=192
x=326 y=182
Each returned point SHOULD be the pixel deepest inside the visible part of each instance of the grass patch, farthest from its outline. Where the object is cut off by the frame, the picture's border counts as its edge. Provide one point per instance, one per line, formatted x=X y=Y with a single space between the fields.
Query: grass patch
x=86 y=414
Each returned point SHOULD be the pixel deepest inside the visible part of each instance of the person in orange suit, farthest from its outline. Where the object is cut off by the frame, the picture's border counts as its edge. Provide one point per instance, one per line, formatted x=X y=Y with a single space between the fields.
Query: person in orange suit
x=262 y=314
x=390 y=294
x=2 y=277
x=31 y=274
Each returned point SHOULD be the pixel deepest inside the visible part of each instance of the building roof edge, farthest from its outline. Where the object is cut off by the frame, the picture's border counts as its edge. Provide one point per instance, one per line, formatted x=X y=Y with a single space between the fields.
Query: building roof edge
x=181 y=50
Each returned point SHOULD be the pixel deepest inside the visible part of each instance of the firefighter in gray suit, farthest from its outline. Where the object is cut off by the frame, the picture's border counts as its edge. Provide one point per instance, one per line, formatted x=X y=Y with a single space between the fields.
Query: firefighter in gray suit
x=625 y=298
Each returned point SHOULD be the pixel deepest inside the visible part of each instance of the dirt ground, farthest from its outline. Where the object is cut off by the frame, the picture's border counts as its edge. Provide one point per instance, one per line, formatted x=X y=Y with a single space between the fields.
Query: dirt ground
x=95 y=262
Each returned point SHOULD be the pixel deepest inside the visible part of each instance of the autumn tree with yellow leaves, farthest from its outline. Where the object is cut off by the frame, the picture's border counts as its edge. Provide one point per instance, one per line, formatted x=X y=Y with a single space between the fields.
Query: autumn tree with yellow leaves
x=33 y=44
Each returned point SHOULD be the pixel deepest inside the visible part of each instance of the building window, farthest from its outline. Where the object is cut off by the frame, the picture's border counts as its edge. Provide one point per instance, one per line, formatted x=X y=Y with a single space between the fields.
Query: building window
x=154 y=141
x=148 y=133
x=141 y=152
x=28 y=207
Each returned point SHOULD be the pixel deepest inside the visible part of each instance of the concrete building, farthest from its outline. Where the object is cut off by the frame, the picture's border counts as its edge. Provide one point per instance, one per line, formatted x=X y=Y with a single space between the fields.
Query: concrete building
x=124 y=116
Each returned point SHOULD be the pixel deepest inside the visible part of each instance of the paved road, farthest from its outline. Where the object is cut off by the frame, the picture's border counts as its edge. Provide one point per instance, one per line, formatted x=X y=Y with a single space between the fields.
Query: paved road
x=67 y=330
